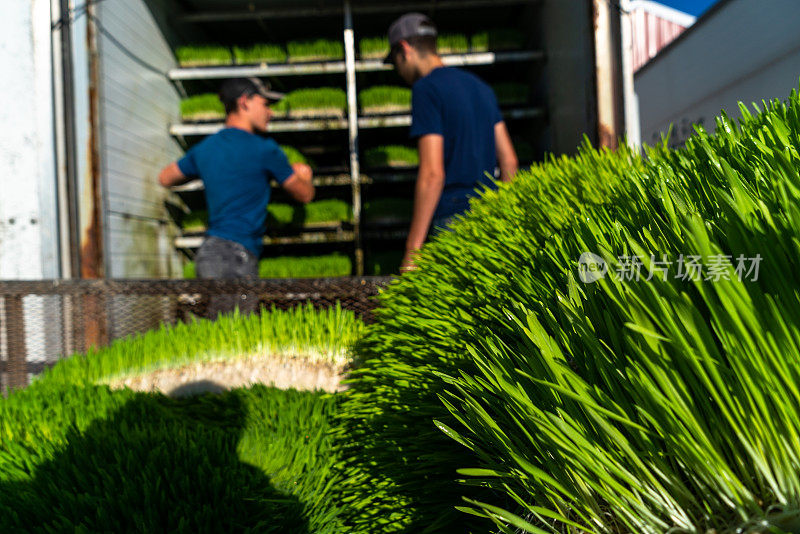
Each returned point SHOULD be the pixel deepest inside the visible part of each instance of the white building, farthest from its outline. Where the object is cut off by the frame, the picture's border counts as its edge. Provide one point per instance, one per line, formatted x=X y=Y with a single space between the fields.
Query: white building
x=739 y=51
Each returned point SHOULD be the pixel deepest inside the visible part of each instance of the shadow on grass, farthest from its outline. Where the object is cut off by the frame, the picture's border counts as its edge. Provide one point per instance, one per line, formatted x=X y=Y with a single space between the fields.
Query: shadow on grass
x=157 y=464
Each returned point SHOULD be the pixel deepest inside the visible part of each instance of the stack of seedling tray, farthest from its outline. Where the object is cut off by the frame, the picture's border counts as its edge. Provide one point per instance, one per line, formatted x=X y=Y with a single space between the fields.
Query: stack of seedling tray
x=314 y=114
x=267 y=53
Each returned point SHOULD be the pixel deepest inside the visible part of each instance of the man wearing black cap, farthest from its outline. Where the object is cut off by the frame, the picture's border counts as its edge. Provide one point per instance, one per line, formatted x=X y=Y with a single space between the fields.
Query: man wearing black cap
x=457 y=122
x=236 y=166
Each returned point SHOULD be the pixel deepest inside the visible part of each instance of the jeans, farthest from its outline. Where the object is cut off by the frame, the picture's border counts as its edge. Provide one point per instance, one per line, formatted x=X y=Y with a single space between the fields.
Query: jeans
x=223 y=259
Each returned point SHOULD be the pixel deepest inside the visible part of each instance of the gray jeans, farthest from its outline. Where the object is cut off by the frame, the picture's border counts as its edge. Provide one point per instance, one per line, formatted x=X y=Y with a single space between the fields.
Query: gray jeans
x=223 y=259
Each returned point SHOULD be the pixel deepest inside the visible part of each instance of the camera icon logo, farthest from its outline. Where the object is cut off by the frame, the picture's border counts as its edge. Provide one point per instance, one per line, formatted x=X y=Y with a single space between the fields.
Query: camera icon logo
x=591 y=268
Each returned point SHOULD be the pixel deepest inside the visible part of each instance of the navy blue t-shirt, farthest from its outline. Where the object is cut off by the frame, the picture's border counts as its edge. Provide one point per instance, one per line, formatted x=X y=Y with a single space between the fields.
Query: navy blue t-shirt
x=236 y=167
x=463 y=109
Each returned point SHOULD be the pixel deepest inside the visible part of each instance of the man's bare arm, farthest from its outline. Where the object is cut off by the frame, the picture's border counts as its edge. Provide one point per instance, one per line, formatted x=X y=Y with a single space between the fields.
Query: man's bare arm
x=172 y=175
x=299 y=185
x=428 y=191
x=506 y=155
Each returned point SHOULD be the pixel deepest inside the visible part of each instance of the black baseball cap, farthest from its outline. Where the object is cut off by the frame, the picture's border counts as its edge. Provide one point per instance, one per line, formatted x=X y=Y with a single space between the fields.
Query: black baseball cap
x=407 y=26
x=232 y=89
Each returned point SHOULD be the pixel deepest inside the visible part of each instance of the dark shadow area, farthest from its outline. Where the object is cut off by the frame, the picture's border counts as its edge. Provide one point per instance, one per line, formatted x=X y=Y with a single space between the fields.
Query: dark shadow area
x=174 y=212
x=158 y=464
x=299 y=215
x=198 y=387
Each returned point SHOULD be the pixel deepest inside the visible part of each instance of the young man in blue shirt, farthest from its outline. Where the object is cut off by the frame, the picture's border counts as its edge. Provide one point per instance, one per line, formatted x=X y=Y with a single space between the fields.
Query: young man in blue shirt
x=236 y=165
x=456 y=120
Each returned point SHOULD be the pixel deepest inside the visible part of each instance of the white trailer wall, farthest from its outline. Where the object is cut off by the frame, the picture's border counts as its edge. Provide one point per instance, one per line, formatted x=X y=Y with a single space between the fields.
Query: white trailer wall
x=137 y=104
x=28 y=215
x=742 y=50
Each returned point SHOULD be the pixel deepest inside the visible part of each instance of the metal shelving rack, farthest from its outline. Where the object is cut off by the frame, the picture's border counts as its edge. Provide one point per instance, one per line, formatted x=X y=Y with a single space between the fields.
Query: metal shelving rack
x=352 y=123
x=363 y=122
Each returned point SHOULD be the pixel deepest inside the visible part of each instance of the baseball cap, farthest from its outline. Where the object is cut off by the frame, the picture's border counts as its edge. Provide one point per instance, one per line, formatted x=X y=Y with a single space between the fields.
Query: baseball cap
x=409 y=25
x=236 y=87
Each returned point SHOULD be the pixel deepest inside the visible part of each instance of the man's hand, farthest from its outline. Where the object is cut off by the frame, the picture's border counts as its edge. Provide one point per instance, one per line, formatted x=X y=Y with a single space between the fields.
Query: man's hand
x=299 y=185
x=303 y=171
x=409 y=261
x=172 y=175
x=506 y=155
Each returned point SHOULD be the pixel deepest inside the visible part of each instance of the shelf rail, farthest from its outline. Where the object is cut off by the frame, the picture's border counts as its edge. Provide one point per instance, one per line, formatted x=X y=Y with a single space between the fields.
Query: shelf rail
x=338 y=67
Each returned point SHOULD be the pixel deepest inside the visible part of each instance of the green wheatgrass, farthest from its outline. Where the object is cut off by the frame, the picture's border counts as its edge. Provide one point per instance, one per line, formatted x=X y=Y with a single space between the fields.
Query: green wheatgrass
x=622 y=405
x=319 y=211
x=195 y=221
x=330 y=265
x=452 y=43
x=323 y=335
x=328 y=210
x=324 y=266
x=203 y=56
x=205 y=107
x=280 y=109
x=259 y=53
x=373 y=47
x=279 y=214
x=317 y=50
x=316 y=101
x=294 y=155
x=76 y=455
x=86 y=459
x=385 y=99
x=391 y=156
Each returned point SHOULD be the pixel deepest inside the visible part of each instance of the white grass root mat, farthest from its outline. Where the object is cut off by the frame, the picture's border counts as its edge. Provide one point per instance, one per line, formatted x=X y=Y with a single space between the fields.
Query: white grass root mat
x=215 y=376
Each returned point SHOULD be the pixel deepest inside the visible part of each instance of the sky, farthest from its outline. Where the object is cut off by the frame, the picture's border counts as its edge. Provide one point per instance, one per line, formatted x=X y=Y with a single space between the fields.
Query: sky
x=692 y=7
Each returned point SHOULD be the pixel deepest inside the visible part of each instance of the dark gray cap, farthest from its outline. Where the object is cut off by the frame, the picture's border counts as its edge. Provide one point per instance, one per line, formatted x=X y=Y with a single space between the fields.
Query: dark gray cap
x=233 y=89
x=264 y=89
x=407 y=26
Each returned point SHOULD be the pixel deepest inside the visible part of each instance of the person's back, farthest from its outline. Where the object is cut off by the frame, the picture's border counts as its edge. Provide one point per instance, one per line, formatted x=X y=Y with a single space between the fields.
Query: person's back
x=235 y=167
x=460 y=131
x=463 y=109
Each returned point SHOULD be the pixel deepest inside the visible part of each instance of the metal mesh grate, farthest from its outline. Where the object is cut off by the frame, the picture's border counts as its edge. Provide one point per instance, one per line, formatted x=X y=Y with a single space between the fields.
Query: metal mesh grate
x=43 y=321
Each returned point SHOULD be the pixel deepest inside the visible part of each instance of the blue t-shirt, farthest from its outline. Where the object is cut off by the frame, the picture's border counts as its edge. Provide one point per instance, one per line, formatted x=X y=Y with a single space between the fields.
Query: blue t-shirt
x=463 y=109
x=236 y=167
